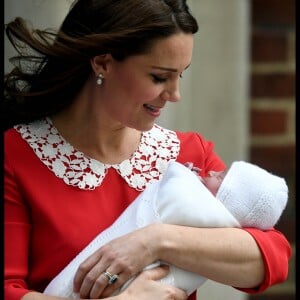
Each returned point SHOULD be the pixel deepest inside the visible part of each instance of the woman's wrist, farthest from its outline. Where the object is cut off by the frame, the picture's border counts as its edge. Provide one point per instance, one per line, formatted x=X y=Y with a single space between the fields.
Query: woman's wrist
x=158 y=242
x=154 y=240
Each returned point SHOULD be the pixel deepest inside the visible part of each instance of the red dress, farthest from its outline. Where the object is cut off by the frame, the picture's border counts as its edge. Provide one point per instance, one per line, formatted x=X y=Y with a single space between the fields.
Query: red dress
x=57 y=200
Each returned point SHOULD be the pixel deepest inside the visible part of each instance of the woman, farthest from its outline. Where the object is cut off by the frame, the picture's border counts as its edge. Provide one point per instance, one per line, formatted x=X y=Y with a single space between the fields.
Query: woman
x=84 y=121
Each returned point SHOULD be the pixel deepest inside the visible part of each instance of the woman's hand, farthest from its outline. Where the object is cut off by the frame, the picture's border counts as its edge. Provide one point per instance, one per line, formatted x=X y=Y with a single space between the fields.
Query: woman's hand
x=125 y=256
x=146 y=287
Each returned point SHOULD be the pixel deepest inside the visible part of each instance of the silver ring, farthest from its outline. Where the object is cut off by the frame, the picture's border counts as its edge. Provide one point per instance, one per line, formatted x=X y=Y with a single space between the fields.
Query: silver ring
x=111 y=278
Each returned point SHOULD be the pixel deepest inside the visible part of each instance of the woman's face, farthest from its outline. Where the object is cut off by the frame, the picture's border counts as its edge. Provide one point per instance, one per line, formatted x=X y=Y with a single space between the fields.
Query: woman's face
x=137 y=89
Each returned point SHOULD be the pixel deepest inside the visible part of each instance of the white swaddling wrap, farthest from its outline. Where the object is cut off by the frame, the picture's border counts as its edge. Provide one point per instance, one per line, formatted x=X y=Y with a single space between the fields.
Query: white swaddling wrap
x=179 y=198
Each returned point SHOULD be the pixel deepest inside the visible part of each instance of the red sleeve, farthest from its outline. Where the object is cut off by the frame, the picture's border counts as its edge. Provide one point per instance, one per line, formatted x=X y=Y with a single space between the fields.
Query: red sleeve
x=276 y=252
x=194 y=148
x=16 y=238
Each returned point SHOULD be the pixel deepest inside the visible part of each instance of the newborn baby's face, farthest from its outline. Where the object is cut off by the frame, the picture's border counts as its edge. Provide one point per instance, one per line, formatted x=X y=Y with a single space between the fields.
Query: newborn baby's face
x=213 y=181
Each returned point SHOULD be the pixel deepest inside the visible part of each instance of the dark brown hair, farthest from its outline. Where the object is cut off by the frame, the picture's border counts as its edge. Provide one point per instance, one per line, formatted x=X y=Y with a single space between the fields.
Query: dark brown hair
x=51 y=67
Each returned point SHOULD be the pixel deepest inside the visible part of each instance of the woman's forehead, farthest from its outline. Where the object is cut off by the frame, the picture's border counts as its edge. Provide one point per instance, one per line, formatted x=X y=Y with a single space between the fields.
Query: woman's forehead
x=174 y=52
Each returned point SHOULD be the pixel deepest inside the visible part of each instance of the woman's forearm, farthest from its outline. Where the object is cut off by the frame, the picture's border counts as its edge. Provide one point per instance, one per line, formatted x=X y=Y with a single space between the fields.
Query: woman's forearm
x=226 y=255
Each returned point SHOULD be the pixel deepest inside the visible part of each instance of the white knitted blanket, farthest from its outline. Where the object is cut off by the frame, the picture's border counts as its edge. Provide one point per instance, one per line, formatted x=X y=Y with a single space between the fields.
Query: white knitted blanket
x=179 y=198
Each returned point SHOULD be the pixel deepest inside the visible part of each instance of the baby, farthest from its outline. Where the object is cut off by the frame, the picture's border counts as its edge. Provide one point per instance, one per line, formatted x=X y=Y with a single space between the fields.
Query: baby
x=244 y=196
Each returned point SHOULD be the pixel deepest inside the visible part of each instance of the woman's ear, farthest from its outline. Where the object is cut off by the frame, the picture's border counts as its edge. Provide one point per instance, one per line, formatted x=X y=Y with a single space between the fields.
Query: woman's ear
x=101 y=64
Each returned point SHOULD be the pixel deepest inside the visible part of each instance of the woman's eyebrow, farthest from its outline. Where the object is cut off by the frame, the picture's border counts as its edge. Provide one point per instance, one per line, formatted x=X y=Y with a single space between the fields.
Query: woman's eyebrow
x=164 y=68
x=167 y=69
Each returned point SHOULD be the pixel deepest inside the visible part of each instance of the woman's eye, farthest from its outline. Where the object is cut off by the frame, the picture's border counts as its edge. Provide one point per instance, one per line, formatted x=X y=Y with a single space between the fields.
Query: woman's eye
x=158 y=79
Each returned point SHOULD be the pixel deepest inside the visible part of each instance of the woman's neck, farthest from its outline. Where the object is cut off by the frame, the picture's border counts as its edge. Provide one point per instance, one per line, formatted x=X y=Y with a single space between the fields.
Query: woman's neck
x=109 y=144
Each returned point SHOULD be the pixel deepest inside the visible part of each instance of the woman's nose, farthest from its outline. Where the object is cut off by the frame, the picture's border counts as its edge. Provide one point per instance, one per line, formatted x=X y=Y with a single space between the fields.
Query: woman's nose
x=175 y=96
x=171 y=94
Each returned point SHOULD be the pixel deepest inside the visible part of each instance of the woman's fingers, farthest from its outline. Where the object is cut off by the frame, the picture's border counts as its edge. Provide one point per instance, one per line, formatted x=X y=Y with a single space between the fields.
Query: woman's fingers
x=84 y=269
x=97 y=274
x=118 y=257
x=112 y=281
x=95 y=282
x=90 y=276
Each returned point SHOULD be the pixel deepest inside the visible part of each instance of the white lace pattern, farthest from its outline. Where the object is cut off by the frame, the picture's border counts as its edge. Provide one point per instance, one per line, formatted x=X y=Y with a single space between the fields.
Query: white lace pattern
x=157 y=148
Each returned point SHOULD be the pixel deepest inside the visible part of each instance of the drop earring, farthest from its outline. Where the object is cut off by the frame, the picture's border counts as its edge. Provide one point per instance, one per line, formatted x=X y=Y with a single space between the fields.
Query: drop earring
x=99 y=79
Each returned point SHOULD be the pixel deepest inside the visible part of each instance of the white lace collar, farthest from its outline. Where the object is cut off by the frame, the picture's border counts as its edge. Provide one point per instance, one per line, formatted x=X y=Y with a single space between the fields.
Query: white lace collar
x=157 y=148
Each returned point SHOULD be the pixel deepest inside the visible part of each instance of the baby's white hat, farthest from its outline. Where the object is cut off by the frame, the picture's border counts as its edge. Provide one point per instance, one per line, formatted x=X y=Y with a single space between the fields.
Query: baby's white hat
x=255 y=197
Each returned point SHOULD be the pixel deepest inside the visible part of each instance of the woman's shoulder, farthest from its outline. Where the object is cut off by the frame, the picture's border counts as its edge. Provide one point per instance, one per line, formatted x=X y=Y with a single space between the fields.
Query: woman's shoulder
x=10 y=135
x=180 y=133
x=195 y=148
x=14 y=144
x=189 y=137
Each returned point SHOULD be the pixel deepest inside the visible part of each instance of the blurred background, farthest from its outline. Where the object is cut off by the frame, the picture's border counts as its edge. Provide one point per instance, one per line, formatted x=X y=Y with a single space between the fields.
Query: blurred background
x=239 y=92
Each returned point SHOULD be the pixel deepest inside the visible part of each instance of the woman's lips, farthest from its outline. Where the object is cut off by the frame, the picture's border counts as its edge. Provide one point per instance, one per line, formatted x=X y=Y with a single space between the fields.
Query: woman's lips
x=152 y=110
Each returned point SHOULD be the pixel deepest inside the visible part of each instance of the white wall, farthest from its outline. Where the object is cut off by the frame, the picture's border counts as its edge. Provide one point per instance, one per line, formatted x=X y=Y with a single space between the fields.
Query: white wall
x=215 y=88
x=215 y=92
x=41 y=13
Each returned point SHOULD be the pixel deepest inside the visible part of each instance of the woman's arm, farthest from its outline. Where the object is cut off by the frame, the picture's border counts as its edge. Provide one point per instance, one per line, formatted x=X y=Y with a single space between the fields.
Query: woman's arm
x=226 y=255
x=230 y=256
x=249 y=259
